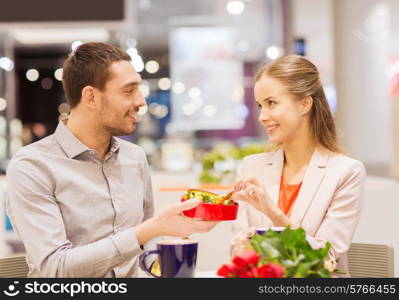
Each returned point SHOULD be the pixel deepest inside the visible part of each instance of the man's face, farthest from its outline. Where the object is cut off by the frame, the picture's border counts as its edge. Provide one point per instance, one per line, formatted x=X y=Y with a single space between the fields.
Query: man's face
x=120 y=100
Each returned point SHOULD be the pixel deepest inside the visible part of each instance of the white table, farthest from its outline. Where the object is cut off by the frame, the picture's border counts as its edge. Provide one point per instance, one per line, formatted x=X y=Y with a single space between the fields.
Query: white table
x=206 y=274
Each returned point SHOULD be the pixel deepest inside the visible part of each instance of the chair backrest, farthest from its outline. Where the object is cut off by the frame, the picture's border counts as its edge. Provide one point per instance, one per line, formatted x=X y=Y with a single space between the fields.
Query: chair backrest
x=14 y=267
x=371 y=260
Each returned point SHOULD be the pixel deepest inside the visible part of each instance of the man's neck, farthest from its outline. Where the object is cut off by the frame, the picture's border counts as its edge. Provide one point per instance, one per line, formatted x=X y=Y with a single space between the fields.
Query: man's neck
x=89 y=133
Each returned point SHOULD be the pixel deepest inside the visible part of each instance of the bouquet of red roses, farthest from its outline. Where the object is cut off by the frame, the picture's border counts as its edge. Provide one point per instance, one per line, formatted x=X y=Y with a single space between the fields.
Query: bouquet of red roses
x=246 y=265
x=280 y=254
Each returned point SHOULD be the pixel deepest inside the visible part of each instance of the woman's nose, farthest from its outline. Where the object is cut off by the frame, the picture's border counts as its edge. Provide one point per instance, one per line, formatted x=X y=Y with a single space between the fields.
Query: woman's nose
x=263 y=116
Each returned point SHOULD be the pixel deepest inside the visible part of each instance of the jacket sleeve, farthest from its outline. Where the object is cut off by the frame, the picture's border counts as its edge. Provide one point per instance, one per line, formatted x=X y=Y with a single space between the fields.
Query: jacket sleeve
x=240 y=227
x=342 y=216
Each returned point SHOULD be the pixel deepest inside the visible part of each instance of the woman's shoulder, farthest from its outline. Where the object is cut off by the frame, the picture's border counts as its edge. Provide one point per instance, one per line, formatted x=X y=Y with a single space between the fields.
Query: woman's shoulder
x=342 y=158
x=346 y=164
x=260 y=157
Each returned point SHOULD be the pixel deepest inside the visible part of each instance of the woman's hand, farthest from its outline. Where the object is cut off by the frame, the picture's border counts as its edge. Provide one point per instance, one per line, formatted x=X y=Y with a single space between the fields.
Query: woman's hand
x=242 y=241
x=251 y=191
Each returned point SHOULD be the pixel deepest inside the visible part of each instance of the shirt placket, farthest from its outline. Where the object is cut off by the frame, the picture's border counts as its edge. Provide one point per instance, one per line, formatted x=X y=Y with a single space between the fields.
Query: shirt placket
x=112 y=188
x=105 y=168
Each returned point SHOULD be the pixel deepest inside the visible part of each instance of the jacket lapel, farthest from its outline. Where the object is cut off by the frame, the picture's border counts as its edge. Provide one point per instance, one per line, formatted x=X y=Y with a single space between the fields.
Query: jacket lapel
x=314 y=175
x=272 y=174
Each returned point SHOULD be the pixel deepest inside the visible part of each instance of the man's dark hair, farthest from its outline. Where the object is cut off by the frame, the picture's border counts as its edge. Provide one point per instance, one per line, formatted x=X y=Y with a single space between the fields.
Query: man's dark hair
x=89 y=65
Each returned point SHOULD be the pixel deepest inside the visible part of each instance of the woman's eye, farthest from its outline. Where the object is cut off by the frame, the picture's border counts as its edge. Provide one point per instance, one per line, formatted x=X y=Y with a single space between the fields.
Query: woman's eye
x=259 y=106
x=271 y=103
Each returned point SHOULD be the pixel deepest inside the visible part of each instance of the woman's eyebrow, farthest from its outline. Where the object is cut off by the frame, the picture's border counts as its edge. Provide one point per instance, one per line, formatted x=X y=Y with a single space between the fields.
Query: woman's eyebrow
x=268 y=98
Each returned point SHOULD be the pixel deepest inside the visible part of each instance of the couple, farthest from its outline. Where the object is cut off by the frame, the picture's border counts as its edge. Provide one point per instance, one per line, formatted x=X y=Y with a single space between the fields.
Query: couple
x=81 y=199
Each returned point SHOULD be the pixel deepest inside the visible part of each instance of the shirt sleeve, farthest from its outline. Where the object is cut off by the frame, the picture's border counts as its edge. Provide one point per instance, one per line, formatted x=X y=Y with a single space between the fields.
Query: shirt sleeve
x=148 y=205
x=37 y=218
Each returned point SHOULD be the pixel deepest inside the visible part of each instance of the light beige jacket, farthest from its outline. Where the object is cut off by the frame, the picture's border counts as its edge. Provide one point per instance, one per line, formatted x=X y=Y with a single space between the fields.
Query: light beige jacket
x=328 y=204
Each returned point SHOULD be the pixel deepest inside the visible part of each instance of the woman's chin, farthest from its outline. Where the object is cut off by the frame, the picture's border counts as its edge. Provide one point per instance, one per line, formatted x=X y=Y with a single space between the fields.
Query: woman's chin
x=275 y=140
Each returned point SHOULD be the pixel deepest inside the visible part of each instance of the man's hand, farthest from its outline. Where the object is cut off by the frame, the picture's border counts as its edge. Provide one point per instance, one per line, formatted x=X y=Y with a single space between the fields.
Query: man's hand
x=172 y=222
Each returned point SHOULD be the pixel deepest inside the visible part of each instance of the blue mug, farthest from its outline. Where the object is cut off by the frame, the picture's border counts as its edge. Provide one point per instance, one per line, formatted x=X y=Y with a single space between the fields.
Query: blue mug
x=262 y=231
x=177 y=258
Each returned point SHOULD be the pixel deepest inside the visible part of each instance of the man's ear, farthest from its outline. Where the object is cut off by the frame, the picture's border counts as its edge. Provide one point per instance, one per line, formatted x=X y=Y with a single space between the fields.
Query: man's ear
x=307 y=103
x=88 y=96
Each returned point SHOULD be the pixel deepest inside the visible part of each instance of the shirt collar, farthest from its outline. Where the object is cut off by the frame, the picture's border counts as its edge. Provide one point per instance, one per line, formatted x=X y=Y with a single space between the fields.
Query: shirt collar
x=114 y=145
x=72 y=145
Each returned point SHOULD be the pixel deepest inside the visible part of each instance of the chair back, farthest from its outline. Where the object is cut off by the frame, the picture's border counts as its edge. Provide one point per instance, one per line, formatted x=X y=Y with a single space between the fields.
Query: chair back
x=14 y=267
x=371 y=260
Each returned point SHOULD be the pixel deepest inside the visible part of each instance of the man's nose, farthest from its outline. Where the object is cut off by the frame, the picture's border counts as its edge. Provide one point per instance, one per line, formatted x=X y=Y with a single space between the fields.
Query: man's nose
x=139 y=100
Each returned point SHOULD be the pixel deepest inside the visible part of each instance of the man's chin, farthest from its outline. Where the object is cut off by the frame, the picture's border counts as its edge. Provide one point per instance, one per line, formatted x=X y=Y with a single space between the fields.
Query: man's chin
x=121 y=132
x=128 y=131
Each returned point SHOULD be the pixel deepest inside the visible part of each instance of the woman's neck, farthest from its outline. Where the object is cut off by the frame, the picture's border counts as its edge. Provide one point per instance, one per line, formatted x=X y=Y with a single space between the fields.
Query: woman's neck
x=299 y=151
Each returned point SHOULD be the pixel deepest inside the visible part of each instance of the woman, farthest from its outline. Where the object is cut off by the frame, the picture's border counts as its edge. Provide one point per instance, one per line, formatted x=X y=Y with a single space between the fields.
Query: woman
x=307 y=181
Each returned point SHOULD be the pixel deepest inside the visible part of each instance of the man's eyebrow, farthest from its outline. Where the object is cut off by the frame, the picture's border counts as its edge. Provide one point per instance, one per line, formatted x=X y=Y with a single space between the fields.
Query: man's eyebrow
x=132 y=83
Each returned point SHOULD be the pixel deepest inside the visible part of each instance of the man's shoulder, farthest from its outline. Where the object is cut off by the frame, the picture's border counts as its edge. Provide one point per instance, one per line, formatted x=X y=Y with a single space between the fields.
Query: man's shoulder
x=130 y=148
x=34 y=151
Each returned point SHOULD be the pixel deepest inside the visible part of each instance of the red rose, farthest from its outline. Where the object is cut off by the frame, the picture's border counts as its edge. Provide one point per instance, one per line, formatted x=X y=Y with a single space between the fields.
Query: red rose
x=226 y=271
x=246 y=258
x=249 y=273
x=271 y=270
x=246 y=274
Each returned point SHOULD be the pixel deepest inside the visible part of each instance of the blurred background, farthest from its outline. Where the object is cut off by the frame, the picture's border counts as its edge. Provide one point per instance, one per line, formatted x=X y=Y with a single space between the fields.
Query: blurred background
x=198 y=59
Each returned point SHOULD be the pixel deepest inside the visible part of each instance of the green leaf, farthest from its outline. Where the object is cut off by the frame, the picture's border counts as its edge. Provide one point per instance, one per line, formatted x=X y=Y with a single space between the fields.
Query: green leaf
x=303 y=268
x=270 y=248
x=206 y=177
x=324 y=273
x=291 y=250
x=255 y=243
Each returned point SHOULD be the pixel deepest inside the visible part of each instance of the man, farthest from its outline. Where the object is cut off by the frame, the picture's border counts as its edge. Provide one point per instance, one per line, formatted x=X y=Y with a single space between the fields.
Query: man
x=81 y=199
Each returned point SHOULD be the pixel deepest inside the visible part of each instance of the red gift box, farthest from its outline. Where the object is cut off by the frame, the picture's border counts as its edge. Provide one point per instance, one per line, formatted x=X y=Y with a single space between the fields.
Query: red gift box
x=212 y=212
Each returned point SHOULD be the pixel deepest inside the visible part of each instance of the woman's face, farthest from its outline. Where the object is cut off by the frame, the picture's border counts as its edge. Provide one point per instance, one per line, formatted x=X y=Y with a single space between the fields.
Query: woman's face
x=280 y=113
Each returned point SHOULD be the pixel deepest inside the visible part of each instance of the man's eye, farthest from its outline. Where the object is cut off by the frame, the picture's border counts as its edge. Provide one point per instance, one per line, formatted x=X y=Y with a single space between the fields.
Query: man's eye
x=259 y=106
x=271 y=102
x=129 y=92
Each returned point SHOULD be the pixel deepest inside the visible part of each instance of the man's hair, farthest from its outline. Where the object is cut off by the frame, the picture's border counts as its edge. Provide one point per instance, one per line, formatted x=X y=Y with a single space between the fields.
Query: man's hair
x=89 y=65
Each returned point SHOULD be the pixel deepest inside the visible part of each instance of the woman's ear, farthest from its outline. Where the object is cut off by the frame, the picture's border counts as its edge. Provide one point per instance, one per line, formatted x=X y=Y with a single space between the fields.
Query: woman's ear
x=307 y=103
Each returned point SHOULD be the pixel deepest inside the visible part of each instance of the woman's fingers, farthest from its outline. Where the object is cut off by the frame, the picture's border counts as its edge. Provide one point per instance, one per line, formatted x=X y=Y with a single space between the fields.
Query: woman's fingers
x=243 y=184
x=237 y=186
x=246 y=195
x=252 y=190
x=238 y=195
x=254 y=181
x=251 y=231
x=240 y=185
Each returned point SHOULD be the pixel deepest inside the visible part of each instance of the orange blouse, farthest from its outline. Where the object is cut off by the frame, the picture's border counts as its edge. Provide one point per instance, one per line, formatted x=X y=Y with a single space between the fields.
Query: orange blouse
x=288 y=195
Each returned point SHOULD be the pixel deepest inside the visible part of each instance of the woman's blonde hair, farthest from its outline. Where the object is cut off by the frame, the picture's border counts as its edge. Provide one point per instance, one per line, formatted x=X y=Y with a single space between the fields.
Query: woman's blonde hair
x=301 y=79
